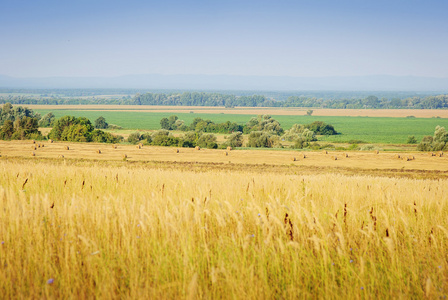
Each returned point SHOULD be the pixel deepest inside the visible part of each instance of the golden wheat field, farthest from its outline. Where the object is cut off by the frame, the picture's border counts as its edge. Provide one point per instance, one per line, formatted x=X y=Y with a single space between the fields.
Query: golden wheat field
x=205 y=225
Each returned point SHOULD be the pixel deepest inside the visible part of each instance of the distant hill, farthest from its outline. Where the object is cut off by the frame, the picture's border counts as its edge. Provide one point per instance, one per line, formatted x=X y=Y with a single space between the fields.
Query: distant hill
x=230 y=82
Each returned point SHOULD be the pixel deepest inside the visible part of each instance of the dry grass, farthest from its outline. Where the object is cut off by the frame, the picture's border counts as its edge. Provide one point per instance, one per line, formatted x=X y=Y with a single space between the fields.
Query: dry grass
x=100 y=231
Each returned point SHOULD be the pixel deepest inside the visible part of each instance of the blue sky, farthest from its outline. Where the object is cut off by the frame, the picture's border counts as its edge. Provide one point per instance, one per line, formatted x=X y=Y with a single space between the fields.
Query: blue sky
x=309 y=38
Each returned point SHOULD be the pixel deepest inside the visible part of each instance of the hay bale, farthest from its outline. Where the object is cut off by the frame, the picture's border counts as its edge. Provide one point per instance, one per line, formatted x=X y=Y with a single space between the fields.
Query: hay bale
x=293 y=158
x=377 y=152
x=345 y=155
x=33 y=154
x=405 y=158
x=225 y=153
x=440 y=154
x=177 y=150
x=124 y=156
x=67 y=148
x=33 y=147
x=38 y=145
x=397 y=156
x=197 y=148
x=302 y=155
x=98 y=151
x=50 y=141
x=325 y=152
x=42 y=145
x=114 y=146
x=432 y=154
x=229 y=148
x=33 y=141
x=138 y=146
x=334 y=157
x=61 y=156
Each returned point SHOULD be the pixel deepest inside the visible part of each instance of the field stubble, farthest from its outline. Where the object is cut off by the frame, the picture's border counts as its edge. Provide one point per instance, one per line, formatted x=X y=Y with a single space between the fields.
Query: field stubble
x=357 y=161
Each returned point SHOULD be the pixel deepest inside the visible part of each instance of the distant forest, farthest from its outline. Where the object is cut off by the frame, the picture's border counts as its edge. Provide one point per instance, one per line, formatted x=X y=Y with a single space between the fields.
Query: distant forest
x=341 y=100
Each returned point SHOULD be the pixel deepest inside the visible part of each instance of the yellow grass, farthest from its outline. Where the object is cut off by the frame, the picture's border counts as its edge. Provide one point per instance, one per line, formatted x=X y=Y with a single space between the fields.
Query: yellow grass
x=98 y=226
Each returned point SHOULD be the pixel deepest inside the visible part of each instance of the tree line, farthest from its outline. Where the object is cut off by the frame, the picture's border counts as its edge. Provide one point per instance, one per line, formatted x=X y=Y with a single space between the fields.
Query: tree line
x=19 y=123
x=263 y=130
x=234 y=100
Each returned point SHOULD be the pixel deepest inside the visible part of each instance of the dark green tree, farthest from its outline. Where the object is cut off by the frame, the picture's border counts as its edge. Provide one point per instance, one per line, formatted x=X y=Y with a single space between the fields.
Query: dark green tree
x=47 y=120
x=165 y=124
x=321 y=128
x=7 y=130
x=101 y=123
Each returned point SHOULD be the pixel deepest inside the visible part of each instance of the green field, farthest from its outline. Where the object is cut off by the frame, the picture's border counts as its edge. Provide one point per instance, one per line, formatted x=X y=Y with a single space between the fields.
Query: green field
x=368 y=129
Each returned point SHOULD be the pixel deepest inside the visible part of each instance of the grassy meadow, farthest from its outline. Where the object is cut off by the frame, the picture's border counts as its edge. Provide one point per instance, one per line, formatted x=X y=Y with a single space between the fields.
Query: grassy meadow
x=383 y=130
x=83 y=229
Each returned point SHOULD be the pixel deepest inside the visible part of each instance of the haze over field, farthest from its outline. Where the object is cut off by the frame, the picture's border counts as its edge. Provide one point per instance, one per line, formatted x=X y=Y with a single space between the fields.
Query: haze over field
x=279 y=45
x=229 y=82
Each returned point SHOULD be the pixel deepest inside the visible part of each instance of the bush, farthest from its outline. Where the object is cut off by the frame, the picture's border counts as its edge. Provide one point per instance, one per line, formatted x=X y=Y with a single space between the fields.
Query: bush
x=190 y=139
x=264 y=123
x=134 y=138
x=99 y=136
x=300 y=144
x=411 y=140
x=356 y=142
x=235 y=140
x=69 y=128
x=114 y=127
x=164 y=140
x=367 y=148
x=321 y=128
x=437 y=142
x=260 y=139
x=207 y=141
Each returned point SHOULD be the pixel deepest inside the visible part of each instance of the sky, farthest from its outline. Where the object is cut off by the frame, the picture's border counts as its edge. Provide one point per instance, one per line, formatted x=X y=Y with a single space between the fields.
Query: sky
x=301 y=38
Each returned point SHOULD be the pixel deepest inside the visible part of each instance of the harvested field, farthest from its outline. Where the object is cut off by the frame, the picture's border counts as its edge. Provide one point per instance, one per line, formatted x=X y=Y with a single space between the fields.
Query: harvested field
x=396 y=113
x=358 y=161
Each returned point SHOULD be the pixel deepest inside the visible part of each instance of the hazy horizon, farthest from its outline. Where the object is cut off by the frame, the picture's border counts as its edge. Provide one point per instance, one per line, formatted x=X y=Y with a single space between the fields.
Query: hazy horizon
x=242 y=82
x=233 y=38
